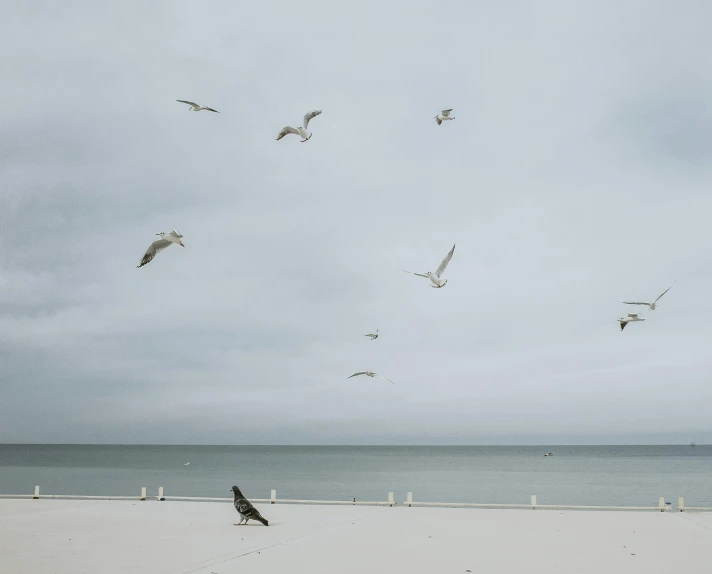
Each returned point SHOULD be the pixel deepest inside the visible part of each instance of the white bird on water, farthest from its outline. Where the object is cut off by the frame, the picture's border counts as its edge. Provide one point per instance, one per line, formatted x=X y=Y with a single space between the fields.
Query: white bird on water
x=186 y=464
x=302 y=132
x=444 y=116
x=370 y=374
x=651 y=306
x=435 y=277
x=166 y=240
x=373 y=336
x=196 y=108
x=631 y=318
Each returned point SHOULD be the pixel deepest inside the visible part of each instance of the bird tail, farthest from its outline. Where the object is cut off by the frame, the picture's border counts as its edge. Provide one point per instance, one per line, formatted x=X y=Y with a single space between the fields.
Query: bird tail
x=259 y=517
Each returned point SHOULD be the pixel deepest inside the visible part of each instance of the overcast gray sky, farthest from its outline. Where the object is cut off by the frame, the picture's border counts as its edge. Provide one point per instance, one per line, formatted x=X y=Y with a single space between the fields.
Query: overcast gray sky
x=576 y=175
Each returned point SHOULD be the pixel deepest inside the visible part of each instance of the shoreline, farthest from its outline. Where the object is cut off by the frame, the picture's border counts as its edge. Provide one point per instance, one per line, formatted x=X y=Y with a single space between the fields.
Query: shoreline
x=662 y=505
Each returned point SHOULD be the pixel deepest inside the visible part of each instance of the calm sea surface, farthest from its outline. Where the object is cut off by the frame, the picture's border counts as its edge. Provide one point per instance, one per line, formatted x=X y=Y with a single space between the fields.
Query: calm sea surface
x=614 y=475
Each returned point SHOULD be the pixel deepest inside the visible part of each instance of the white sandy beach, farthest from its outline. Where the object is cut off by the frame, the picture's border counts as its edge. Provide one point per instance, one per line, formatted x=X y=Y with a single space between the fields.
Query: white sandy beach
x=84 y=536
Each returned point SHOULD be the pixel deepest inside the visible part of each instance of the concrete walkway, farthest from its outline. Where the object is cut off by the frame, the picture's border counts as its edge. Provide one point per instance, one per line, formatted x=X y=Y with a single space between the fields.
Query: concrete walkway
x=103 y=537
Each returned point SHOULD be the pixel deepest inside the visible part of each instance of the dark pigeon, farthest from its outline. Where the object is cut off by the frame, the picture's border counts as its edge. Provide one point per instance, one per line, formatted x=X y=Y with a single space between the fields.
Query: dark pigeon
x=245 y=508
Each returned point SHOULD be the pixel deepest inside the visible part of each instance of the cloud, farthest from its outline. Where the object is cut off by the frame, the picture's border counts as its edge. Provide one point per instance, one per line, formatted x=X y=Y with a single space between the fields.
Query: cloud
x=574 y=177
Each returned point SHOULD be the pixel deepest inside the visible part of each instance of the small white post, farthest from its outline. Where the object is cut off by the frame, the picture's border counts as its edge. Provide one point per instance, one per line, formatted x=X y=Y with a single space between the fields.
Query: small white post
x=533 y=501
x=390 y=499
x=37 y=492
x=681 y=503
x=661 y=503
x=409 y=500
x=160 y=493
x=143 y=493
x=273 y=497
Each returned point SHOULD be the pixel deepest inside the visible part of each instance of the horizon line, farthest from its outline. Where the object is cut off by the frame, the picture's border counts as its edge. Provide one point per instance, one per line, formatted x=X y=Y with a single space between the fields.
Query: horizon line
x=690 y=444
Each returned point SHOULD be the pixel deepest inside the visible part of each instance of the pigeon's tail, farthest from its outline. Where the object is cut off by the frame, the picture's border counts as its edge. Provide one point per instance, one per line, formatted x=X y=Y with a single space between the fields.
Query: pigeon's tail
x=258 y=517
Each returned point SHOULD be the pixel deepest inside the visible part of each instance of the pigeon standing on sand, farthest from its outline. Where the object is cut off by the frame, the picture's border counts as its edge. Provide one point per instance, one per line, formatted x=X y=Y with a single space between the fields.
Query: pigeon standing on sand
x=245 y=508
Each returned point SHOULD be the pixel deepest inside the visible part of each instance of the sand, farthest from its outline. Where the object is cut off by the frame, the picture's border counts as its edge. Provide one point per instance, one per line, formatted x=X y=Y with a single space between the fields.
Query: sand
x=103 y=537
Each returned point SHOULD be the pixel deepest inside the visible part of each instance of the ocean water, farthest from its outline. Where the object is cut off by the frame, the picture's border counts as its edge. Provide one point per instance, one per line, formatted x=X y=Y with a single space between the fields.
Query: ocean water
x=597 y=475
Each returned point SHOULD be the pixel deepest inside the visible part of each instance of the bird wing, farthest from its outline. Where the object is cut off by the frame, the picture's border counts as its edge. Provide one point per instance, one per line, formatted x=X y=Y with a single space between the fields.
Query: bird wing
x=175 y=233
x=414 y=273
x=153 y=250
x=438 y=120
x=357 y=374
x=443 y=264
x=386 y=379
x=189 y=103
x=623 y=324
x=636 y=303
x=211 y=110
x=309 y=115
x=634 y=315
x=370 y=335
x=446 y=113
x=666 y=290
x=244 y=506
x=287 y=130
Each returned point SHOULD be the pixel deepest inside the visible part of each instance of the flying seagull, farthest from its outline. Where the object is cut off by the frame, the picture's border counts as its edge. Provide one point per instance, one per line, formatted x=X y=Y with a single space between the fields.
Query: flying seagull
x=444 y=116
x=373 y=336
x=651 y=306
x=196 y=108
x=435 y=277
x=631 y=318
x=160 y=244
x=186 y=464
x=369 y=374
x=301 y=132
x=245 y=508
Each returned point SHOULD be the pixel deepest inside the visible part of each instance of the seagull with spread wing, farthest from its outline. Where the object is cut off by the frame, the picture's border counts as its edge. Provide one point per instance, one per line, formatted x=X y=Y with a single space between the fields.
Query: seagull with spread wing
x=652 y=305
x=435 y=277
x=631 y=318
x=370 y=374
x=373 y=336
x=444 y=116
x=302 y=131
x=166 y=240
x=195 y=107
